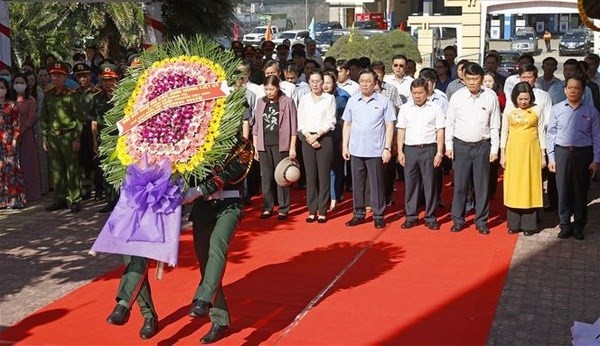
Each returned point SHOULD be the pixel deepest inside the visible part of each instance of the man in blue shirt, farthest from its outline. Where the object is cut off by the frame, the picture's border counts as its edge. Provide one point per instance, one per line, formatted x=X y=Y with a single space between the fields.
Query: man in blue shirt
x=573 y=145
x=366 y=141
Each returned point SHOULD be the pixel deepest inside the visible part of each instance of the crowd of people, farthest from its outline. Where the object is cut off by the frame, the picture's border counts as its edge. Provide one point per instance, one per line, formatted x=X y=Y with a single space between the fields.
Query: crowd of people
x=50 y=123
x=353 y=127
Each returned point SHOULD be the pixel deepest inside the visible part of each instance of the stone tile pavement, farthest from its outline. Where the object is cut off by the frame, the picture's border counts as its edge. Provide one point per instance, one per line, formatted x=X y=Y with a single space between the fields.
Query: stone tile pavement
x=551 y=282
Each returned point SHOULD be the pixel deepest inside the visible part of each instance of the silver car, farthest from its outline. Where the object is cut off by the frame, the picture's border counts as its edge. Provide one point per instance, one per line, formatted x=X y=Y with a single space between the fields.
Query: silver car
x=524 y=42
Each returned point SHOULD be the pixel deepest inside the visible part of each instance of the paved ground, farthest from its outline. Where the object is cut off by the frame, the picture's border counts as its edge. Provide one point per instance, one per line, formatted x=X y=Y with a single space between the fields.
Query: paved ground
x=551 y=283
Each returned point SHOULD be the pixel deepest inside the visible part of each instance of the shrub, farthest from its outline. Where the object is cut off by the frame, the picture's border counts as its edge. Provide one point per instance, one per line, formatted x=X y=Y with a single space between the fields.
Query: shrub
x=380 y=47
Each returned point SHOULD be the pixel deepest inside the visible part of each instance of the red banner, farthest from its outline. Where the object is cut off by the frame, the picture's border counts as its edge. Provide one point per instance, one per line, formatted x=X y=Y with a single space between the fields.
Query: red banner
x=173 y=98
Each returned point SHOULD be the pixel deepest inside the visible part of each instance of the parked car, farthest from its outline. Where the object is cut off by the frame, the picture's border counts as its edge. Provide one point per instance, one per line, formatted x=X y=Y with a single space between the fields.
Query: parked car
x=257 y=36
x=292 y=35
x=327 y=38
x=575 y=42
x=509 y=60
x=325 y=26
x=524 y=41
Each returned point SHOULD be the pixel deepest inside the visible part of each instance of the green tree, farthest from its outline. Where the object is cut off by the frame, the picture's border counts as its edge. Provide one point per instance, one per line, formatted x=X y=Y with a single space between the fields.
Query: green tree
x=380 y=47
x=63 y=28
x=208 y=17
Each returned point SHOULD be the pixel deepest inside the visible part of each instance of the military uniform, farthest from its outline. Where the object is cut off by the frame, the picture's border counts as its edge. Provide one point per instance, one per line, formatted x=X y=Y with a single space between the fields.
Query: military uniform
x=62 y=121
x=101 y=105
x=215 y=217
x=86 y=154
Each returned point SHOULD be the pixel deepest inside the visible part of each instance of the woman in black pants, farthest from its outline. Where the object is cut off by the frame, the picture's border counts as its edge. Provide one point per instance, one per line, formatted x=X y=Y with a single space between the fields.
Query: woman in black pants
x=316 y=120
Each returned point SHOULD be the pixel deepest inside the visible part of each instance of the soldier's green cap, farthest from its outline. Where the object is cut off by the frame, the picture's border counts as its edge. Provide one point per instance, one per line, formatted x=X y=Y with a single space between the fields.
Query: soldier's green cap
x=108 y=71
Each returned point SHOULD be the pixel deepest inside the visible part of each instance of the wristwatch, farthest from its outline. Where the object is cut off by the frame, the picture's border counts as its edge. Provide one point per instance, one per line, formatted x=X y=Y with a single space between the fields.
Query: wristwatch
x=388 y=149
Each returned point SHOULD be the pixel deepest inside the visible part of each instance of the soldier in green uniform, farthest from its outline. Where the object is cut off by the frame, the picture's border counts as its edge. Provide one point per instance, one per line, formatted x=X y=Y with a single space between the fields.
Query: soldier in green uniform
x=215 y=215
x=86 y=91
x=62 y=120
x=109 y=77
x=134 y=286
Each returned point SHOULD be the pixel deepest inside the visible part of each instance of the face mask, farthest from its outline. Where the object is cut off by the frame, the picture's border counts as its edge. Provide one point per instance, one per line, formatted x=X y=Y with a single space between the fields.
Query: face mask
x=20 y=88
x=2 y=92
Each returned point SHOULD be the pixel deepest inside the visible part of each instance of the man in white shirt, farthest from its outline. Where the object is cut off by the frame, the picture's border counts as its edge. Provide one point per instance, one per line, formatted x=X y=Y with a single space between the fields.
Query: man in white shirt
x=529 y=73
x=344 y=81
x=289 y=89
x=437 y=97
x=420 y=151
x=312 y=53
x=399 y=79
x=511 y=81
x=472 y=140
x=291 y=75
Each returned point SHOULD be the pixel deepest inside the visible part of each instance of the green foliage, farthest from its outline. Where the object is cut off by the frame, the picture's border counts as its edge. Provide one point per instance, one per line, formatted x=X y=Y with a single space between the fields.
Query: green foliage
x=207 y=17
x=380 y=47
x=61 y=28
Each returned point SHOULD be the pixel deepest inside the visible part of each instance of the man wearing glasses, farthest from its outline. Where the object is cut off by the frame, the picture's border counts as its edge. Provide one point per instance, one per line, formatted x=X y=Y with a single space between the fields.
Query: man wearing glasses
x=400 y=79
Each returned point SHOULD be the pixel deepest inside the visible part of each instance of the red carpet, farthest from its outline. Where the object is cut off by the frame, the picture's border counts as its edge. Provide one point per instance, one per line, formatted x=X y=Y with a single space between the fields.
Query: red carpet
x=292 y=283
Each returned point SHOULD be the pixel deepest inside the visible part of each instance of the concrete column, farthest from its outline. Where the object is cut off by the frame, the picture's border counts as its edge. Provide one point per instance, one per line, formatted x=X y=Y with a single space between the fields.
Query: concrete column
x=425 y=45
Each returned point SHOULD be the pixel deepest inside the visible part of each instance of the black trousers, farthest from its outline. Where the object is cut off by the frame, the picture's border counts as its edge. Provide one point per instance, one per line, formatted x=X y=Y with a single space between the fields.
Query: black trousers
x=521 y=219
x=419 y=171
x=390 y=178
x=268 y=161
x=371 y=167
x=471 y=160
x=317 y=164
x=573 y=184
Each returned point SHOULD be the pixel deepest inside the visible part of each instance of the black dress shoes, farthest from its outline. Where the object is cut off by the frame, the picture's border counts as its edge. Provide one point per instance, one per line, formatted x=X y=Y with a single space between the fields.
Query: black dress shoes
x=200 y=308
x=379 y=223
x=282 y=216
x=215 y=334
x=119 y=316
x=149 y=328
x=482 y=230
x=578 y=234
x=513 y=231
x=355 y=221
x=433 y=225
x=76 y=207
x=408 y=224
x=565 y=233
x=528 y=232
x=456 y=228
x=57 y=206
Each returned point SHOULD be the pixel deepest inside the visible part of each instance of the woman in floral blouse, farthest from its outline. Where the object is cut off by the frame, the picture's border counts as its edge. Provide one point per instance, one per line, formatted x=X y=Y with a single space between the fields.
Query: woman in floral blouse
x=12 y=191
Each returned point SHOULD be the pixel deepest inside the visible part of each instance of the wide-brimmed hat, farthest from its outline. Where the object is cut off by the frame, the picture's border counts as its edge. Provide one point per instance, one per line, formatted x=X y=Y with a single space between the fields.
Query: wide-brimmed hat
x=287 y=172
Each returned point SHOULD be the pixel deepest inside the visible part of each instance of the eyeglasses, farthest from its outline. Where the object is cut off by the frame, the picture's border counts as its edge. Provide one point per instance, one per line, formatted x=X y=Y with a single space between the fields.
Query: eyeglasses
x=398 y=65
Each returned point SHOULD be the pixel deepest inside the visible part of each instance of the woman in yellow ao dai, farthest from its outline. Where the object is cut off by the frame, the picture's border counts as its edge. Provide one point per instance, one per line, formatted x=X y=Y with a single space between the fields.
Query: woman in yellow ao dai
x=522 y=145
